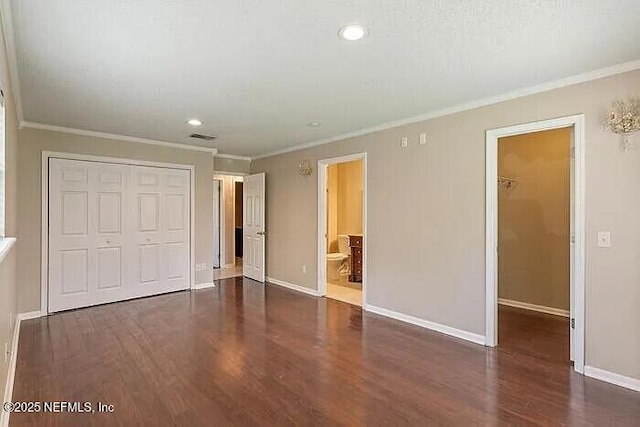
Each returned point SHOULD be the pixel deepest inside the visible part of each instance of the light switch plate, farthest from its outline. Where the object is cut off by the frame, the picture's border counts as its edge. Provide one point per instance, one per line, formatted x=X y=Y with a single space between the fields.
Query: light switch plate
x=604 y=239
x=423 y=138
x=404 y=141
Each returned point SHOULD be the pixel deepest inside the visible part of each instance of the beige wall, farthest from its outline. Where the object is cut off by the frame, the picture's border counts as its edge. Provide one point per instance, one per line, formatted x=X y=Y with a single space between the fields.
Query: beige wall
x=8 y=267
x=33 y=142
x=534 y=218
x=221 y=164
x=426 y=217
x=344 y=201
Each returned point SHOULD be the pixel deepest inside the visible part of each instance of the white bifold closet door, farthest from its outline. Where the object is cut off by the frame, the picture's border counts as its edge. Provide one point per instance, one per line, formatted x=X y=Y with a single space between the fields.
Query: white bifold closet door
x=116 y=232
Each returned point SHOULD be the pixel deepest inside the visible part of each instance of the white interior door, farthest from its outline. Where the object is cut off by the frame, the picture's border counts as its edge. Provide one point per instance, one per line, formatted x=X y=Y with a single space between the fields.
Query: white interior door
x=116 y=232
x=216 y=223
x=253 y=230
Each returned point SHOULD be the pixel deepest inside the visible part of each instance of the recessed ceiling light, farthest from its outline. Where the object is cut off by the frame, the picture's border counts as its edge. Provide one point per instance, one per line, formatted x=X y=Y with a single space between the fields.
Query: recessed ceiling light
x=194 y=122
x=352 y=32
x=313 y=124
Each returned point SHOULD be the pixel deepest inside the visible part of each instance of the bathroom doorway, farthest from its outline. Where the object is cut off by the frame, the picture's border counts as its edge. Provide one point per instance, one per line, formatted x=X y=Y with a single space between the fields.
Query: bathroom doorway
x=342 y=225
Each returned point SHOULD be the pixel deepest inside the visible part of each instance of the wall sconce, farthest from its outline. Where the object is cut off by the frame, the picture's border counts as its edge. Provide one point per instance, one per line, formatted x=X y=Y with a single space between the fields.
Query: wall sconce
x=305 y=168
x=624 y=120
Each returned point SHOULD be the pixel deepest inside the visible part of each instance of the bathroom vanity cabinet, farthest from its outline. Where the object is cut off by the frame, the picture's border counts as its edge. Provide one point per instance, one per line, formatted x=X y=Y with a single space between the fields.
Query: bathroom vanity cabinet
x=355 y=243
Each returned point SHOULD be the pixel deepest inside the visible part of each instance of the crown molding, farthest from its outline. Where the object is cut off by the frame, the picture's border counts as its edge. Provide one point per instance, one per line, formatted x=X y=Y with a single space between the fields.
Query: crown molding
x=531 y=90
x=12 y=58
x=83 y=132
x=232 y=157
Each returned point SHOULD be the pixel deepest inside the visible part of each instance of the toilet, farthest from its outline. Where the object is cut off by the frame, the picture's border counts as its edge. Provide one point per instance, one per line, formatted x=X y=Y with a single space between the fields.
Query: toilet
x=338 y=262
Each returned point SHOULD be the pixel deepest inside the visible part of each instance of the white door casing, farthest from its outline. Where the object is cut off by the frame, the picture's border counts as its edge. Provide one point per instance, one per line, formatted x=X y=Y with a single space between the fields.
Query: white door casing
x=572 y=243
x=115 y=232
x=253 y=230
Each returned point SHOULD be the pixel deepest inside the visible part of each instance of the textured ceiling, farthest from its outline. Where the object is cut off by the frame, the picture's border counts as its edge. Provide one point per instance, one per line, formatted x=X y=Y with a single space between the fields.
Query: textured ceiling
x=256 y=72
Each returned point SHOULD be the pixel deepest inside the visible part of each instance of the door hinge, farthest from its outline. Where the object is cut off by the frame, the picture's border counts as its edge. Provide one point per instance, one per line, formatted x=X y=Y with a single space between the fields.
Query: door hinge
x=573 y=323
x=573 y=238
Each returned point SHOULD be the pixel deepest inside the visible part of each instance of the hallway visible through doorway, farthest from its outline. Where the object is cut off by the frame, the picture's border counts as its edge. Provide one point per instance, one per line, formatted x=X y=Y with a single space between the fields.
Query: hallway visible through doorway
x=228 y=211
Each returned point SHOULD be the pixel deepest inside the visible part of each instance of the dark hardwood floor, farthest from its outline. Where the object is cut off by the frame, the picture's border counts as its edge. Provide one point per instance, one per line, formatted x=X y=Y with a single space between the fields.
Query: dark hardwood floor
x=539 y=335
x=243 y=354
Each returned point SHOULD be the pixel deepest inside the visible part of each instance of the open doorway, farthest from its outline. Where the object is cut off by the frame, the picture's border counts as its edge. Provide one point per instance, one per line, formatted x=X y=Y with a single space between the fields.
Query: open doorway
x=534 y=203
x=227 y=226
x=535 y=245
x=341 y=260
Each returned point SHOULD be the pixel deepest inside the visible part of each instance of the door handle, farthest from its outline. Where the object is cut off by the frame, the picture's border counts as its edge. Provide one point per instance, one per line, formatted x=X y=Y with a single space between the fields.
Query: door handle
x=261 y=233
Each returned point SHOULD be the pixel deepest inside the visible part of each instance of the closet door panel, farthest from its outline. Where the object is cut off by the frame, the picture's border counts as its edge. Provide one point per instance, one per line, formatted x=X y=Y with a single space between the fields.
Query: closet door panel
x=109 y=183
x=116 y=232
x=176 y=232
x=146 y=192
x=85 y=233
x=161 y=230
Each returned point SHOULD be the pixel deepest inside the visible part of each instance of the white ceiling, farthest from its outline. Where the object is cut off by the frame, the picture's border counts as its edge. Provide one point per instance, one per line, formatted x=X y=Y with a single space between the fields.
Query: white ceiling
x=256 y=72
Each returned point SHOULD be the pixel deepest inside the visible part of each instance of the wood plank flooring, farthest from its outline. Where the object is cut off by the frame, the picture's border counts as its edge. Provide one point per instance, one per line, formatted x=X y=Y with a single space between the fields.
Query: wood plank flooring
x=247 y=355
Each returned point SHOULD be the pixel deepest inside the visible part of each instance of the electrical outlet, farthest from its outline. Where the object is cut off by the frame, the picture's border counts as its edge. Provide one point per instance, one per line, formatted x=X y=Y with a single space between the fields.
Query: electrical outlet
x=604 y=239
x=404 y=141
x=201 y=267
x=304 y=269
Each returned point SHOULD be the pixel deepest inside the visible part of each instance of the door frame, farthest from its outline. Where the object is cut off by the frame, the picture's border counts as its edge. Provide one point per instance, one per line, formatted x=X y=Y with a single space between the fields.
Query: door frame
x=577 y=123
x=235 y=176
x=44 y=236
x=323 y=165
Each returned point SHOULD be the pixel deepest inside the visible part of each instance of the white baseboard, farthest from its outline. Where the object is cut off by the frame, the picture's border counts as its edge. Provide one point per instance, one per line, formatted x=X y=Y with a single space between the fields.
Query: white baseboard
x=448 y=330
x=298 y=288
x=207 y=285
x=534 y=307
x=29 y=315
x=11 y=374
x=613 y=378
